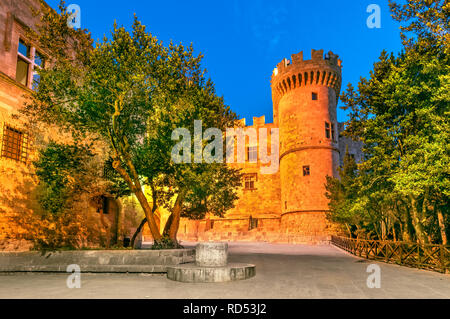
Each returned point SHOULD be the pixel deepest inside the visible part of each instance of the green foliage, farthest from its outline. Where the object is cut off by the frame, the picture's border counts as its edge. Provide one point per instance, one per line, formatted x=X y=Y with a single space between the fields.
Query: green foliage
x=59 y=168
x=401 y=113
x=66 y=173
x=341 y=193
x=131 y=92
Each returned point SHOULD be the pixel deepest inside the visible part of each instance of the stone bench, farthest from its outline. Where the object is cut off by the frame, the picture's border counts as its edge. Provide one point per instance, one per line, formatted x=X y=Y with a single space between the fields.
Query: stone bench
x=123 y=261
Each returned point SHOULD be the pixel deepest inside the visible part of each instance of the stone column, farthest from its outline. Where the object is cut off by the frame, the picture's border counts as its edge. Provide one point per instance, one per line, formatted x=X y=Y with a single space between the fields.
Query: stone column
x=211 y=254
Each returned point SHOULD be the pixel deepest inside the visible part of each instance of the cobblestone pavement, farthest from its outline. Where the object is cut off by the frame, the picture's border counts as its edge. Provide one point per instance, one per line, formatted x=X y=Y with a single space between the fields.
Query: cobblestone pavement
x=282 y=271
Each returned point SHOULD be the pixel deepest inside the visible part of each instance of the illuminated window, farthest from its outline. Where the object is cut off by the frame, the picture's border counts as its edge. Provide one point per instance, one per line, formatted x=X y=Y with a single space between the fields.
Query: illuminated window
x=250 y=181
x=14 y=144
x=306 y=171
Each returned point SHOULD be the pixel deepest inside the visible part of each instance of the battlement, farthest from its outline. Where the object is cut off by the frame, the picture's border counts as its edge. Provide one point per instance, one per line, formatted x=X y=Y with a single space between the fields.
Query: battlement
x=320 y=70
x=259 y=121
x=317 y=59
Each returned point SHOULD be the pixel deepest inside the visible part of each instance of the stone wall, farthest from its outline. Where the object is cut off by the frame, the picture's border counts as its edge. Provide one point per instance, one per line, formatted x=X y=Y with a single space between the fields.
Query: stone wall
x=264 y=200
x=16 y=178
x=267 y=230
x=354 y=147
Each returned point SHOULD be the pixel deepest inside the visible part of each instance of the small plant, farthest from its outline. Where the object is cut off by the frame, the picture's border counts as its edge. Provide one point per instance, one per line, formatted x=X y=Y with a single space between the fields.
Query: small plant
x=166 y=243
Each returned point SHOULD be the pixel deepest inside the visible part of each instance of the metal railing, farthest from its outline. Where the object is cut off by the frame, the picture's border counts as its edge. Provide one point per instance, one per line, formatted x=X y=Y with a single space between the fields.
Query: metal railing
x=432 y=257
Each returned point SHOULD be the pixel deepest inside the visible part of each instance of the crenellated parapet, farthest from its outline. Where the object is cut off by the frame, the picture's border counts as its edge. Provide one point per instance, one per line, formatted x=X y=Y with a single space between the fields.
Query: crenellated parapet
x=320 y=70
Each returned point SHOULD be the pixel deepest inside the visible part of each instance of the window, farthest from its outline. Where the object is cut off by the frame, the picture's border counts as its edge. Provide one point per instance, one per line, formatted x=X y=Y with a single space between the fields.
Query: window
x=252 y=154
x=250 y=181
x=29 y=60
x=306 y=171
x=38 y=64
x=253 y=223
x=327 y=130
x=24 y=49
x=14 y=144
x=333 y=137
x=315 y=96
x=22 y=71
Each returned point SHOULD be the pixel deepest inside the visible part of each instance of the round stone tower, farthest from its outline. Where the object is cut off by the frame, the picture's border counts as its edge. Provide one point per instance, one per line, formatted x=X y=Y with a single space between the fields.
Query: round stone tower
x=305 y=95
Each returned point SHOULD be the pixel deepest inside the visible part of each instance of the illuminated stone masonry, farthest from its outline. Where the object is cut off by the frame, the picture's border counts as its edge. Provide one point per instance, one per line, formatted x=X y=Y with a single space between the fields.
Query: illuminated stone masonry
x=289 y=206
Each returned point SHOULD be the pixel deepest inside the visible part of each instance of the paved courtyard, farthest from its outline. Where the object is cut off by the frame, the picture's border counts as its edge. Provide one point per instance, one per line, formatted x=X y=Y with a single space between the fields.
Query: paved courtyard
x=282 y=271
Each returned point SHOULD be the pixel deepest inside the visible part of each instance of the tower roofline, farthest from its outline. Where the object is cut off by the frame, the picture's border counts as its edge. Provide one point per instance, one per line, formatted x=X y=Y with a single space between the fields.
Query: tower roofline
x=317 y=60
x=320 y=70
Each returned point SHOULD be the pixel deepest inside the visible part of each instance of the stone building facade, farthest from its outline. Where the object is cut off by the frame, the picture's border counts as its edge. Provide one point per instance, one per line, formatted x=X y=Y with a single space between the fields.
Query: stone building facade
x=289 y=206
x=16 y=69
x=20 y=57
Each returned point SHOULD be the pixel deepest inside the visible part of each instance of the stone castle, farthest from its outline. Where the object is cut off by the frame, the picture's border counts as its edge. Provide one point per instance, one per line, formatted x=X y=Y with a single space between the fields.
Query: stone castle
x=288 y=206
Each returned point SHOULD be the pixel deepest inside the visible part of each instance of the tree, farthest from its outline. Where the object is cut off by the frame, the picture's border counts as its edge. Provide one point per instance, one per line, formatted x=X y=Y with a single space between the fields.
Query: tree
x=341 y=193
x=65 y=173
x=401 y=114
x=132 y=92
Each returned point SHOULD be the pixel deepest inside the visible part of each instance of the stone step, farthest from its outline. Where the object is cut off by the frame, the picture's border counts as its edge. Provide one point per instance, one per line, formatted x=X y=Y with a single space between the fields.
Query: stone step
x=191 y=273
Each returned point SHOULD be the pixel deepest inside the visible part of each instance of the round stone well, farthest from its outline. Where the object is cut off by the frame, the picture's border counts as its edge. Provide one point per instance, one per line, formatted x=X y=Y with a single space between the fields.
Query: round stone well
x=211 y=265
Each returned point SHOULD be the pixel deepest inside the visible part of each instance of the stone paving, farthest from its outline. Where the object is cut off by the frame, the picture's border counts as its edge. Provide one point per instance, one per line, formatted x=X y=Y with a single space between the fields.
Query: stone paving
x=282 y=271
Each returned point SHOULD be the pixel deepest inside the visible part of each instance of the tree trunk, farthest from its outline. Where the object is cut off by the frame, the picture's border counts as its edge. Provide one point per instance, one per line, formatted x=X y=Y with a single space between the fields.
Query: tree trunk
x=407 y=228
x=167 y=226
x=148 y=214
x=417 y=224
x=379 y=237
x=383 y=227
x=349 y=231
x=136 y=188
x=441 y=221
x=138 y=230
x=176 y=215
x=121 y=148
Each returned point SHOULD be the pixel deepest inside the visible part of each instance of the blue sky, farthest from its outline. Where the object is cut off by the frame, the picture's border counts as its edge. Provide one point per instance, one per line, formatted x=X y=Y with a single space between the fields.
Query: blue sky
x=243 y=40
